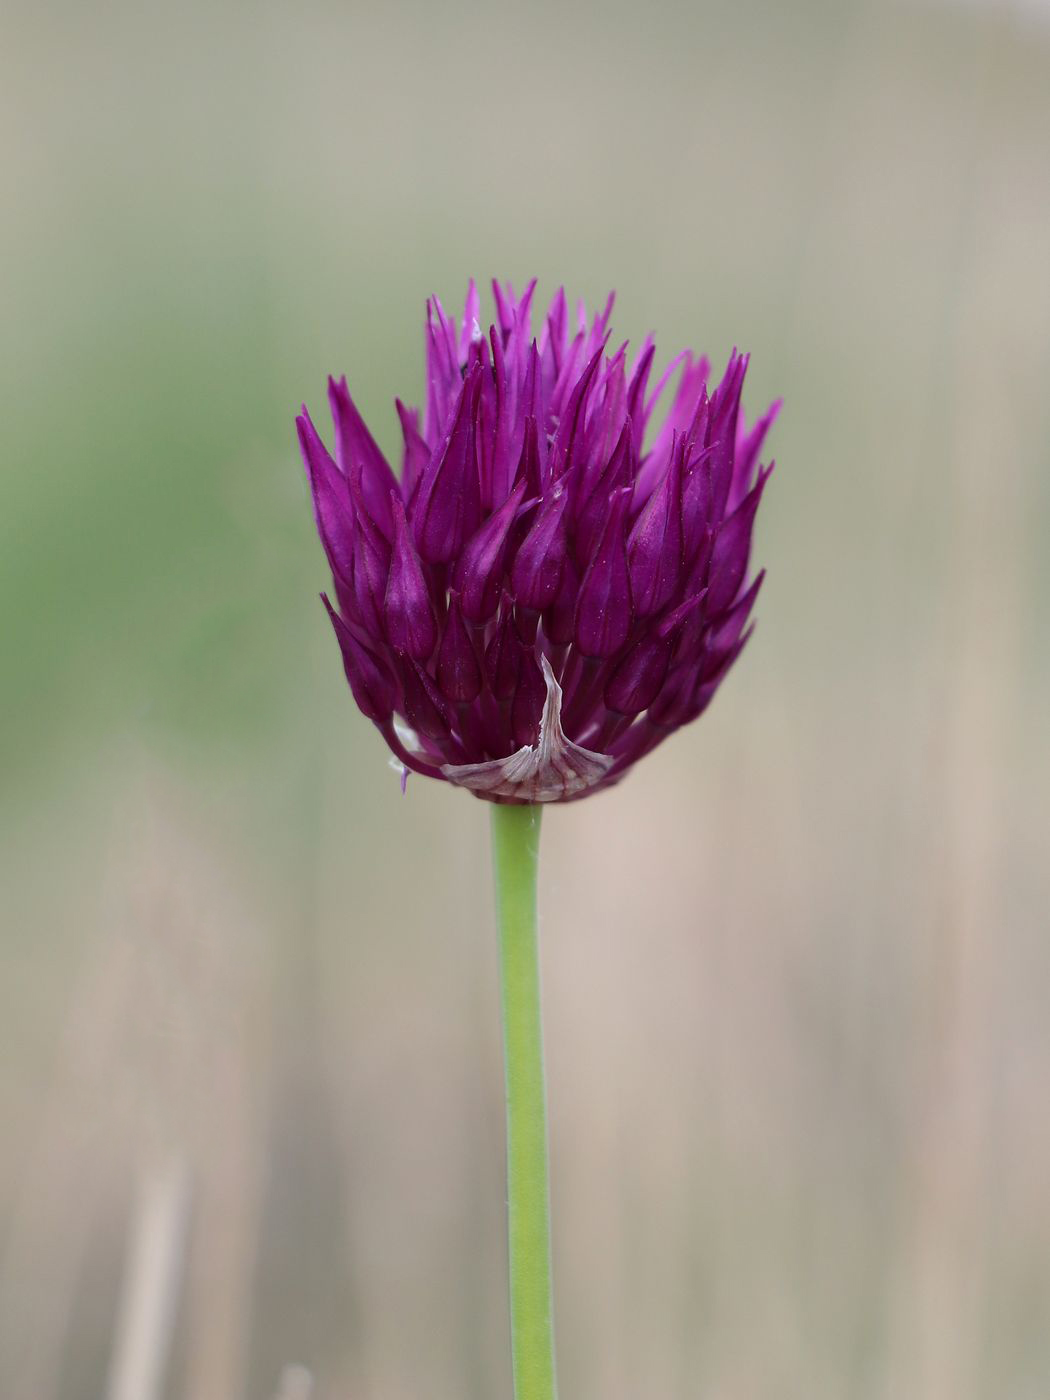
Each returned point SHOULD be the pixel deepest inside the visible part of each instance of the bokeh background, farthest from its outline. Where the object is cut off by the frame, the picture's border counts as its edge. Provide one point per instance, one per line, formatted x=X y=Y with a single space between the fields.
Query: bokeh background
x=797 y=968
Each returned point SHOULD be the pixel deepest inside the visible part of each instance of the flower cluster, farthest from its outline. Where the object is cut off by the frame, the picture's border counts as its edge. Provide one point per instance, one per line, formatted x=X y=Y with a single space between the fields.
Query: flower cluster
x=555 y=582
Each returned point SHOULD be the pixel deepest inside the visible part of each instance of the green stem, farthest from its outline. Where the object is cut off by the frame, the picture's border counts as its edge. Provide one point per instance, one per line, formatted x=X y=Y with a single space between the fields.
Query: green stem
x=515 y=854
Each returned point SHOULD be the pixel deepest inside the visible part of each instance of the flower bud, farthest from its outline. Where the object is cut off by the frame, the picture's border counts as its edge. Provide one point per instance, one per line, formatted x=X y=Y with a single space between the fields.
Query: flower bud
x=563 y=562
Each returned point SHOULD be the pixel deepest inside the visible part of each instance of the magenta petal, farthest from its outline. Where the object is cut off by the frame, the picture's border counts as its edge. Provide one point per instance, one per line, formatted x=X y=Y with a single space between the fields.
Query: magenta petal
x=447 y=507
x=416 y=454
x=638 y=676
x=501 y=656
x=603 y=608
x=458 y=672
x=594 y=496
x=332 y=506
x=479 y=570
x=571 y=425
x=749 y=445
x=537 y=570
x=732 y=548
x=370 y=680
x=425 y=707
x=407 y=607
x=355 y=448
x=654 y=552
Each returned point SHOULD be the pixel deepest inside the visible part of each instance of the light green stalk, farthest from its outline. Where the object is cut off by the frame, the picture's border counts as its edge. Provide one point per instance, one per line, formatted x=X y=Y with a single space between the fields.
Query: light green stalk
x=515 y=854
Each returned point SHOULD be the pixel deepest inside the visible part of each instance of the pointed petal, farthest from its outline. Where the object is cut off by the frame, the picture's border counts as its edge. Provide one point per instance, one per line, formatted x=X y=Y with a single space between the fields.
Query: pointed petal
x=458 y=672
x=638 y=676
x=571 y=425
x=529 y=468
x=654 y=551
x=559 y=619
x=447 y=507
x=370 y=680
x=416 y=453
x=371 y=570
x=731 y=550
x=407 y=607
x=479 y=569
x=594 y=505
x=537 y=568
x=469 y=330
x=749 y=445
x=332 y=506
x=425 y=707
x=721 y=433
x=355 y=447
x=603 y=608
x=443 y=376
x=502 y=656
x=636 y=392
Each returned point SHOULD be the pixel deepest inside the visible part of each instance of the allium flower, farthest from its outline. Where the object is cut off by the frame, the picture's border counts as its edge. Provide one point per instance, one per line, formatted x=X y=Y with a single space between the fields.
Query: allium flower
x=556 y=582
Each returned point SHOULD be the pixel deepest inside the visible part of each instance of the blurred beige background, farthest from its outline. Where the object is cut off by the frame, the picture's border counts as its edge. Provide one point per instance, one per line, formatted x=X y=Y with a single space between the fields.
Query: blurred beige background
x=797 y=967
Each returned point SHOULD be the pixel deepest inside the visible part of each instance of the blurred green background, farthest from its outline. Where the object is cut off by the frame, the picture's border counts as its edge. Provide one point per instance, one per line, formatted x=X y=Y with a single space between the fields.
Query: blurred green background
x=796 y=968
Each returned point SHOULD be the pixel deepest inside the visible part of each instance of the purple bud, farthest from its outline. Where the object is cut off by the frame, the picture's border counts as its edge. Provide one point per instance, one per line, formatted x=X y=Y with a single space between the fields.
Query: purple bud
x=654 y=551
x=346 y=603
x=697 y=497
x=606 y=418
x=673 y=620
x=725 y=401
x=471 y=312
x=749 y=445
x=371 y=570
x=686 y=628
x=479 y=569
x=505 y=310
x=638 y=676
x=425 y=708
x=603 y=608
x=617 y=472
x=332 y=507
x=715 y=663
x=371 y=683
x=458 y=672
x=732 y=547
x=356 y=448
x=537 y=568
x=670 y=707
x=407 y=607
x=529 y=469
x=559 y=619
x=443 y=377
x=636 y=393
x=447 y=508
x=731 y=624
x=416 y=453
x=721 y=433
x=571 y=425
x=696 y=435
x=503 y=434
x=532 y=401
x=553 y=339
x=501 y=655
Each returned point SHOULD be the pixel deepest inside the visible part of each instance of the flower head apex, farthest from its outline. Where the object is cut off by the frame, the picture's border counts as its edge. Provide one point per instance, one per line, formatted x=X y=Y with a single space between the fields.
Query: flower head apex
x=557 y=577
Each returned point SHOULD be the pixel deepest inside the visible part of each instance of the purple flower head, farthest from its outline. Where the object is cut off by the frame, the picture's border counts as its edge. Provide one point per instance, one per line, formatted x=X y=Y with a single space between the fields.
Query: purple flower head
x=557 y=580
